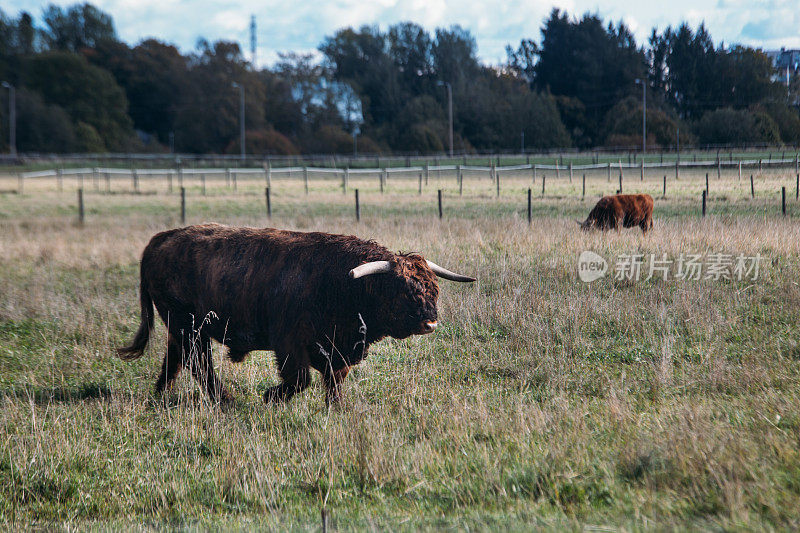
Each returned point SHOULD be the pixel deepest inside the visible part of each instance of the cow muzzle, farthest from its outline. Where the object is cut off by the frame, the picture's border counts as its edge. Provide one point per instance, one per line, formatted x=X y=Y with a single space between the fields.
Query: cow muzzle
x=429 y=326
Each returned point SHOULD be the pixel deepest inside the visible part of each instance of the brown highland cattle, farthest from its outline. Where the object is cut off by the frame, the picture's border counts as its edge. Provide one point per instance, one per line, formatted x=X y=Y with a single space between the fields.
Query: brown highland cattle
x=621 y=211
x=317 y=300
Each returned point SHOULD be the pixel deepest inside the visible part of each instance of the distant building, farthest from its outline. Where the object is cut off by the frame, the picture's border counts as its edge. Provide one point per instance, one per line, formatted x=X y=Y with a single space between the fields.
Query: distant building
x=784 y=59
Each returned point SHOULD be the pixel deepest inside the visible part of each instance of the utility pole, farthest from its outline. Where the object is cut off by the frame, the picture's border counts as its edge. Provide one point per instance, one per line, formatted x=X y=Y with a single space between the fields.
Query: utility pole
x=253 y=40
x=449 y=109
x=241 y=116
x=12 y=118
x=643 y=82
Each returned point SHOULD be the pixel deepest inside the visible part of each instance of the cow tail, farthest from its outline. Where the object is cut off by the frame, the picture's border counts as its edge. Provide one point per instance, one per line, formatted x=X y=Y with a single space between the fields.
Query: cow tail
x=137 y=346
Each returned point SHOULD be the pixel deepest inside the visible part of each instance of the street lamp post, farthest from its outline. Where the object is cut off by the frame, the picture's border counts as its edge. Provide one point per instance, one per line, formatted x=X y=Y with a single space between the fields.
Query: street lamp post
x=644 y=113
x=449 y=109
x=12 y=118
x=241 y=117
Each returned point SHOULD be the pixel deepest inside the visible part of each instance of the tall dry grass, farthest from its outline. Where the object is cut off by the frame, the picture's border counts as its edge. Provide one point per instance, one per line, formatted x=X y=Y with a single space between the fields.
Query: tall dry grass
x=542 y=402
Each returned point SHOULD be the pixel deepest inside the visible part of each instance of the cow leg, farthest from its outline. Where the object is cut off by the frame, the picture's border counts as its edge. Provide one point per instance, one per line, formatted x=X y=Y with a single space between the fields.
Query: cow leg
x=333 y=380
x=236 y=356
x=647 y=225
x=295 y=379
x=173 y=361
x=201 y=363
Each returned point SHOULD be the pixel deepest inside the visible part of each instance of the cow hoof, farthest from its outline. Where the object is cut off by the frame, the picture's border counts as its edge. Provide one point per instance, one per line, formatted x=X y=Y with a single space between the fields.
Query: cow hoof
x=225 y=397
x=276 y=394
x=333 y=400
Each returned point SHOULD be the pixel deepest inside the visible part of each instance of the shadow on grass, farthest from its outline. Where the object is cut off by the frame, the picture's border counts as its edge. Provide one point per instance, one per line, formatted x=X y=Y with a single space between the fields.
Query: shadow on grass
x=63 y=394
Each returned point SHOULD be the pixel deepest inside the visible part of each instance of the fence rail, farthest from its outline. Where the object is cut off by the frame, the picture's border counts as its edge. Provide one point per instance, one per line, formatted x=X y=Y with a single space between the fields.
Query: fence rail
x=492 y=170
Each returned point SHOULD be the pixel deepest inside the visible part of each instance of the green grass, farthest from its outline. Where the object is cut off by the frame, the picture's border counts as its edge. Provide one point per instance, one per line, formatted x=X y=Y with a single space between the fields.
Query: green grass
x=542 y=402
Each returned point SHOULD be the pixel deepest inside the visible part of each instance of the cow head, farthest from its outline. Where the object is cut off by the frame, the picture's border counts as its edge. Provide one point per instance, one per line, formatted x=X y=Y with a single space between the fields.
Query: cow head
x=586 y=225
x=407 y=291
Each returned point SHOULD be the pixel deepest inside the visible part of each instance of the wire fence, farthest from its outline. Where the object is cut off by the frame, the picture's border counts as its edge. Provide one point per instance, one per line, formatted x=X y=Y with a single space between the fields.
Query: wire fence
x=107 y=177
x=561 y=157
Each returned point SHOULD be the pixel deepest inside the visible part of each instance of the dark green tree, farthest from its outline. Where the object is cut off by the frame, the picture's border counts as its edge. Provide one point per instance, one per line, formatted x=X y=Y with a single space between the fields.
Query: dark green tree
x=598 y=66
x=77 y=27
x=89 y=94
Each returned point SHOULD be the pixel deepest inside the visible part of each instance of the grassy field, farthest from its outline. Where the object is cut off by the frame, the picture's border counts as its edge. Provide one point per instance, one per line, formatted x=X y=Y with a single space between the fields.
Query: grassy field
x=542 y=402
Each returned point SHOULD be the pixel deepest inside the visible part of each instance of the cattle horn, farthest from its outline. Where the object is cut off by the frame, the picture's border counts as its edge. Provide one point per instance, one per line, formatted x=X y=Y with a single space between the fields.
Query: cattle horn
x=373 y=267
x=446 y=274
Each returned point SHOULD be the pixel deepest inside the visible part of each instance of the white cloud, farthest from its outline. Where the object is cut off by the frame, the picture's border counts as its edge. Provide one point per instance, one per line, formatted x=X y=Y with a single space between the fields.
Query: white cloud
x=301 y=27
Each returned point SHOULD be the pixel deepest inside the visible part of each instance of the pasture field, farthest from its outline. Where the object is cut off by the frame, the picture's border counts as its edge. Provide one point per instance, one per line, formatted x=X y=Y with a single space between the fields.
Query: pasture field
x=541 y=402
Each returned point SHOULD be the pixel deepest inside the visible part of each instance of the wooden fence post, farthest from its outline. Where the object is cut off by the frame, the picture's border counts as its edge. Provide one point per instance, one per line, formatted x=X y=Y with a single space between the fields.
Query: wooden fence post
x=609 y=172
x=382 y=179
x=234 y=178
x=107 y=176
x=227 y=177
x=497 y=181
x=183 y=205
x=203 y=182
x=96 y=179
x=439 y=195
x=570 y=171
x=358 y=208
x=706 y=182
x=268 y=173
x=558 y=173
x=783 y=200
x=180 y=177
x=305 y=178
x=81 y=213
x=641 y=177
x=544 y=179
x=345 y=179
x=664 y=194
x=620 y=181
x=20 y=183
x=752 y=187
x=420 y=184
x=583 y=189
x=530 y=206
x=704 y=203
x=427 y=172
x=740 y=171
x=797 y=186
x=169 y=181
x=719 y=169
x=60 y=179
x=269 y=202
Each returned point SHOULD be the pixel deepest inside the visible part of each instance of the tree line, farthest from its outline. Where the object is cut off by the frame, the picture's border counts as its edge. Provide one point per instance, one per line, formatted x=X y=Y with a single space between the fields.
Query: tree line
x=79 y=88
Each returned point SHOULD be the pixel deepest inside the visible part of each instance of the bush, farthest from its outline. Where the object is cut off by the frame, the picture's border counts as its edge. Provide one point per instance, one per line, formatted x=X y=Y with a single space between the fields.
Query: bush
x=42 y=127
x=785 y=117
x=732 y=126
x=623 y=124
x=89 y=140
x=264 y=142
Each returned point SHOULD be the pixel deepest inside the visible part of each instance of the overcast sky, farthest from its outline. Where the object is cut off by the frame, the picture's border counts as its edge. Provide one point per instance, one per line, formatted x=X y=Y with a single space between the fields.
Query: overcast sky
x=291 y=26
